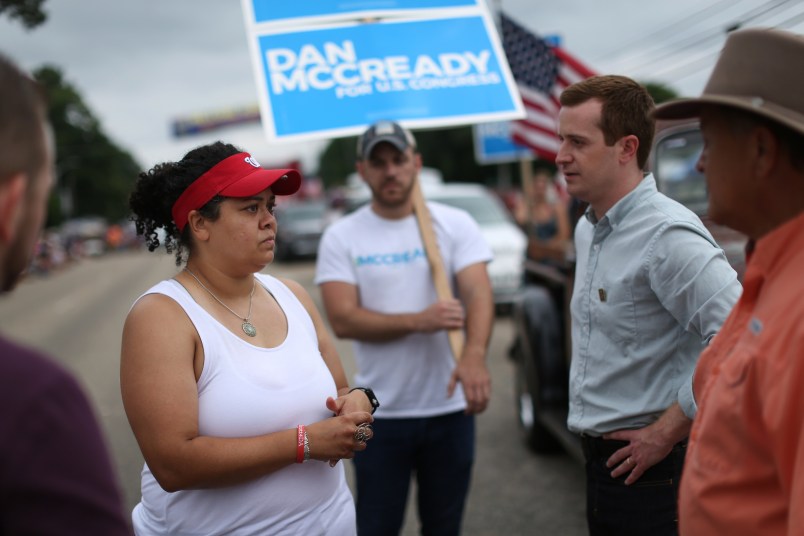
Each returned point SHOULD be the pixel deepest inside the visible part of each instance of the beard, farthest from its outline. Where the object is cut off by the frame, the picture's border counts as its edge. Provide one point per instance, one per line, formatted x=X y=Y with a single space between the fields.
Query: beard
x=18 y=259
x=21 y=250
x=395 y=198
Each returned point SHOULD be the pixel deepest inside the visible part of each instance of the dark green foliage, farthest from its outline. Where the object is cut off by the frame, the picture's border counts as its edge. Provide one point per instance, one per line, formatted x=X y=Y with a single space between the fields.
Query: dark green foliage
x=452 y=151
x=337 y=161
x=660 y=92
x=91 y=169
x=29 y=12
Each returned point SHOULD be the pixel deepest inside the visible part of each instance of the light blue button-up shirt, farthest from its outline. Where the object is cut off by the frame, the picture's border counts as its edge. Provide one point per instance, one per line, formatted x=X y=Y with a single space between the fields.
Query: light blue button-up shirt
x=651 y=290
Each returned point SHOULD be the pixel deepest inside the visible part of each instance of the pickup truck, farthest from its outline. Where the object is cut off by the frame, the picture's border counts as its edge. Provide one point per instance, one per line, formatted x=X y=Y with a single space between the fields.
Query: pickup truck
x=541 y=362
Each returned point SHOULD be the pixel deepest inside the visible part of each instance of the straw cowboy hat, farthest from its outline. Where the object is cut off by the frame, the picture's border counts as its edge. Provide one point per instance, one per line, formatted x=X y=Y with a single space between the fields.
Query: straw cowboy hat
x=760 y=71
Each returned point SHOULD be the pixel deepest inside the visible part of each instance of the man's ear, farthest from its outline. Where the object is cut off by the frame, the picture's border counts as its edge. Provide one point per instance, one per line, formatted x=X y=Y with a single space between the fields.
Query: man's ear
x=628 y=151
x=767 y=152
x=12 y=193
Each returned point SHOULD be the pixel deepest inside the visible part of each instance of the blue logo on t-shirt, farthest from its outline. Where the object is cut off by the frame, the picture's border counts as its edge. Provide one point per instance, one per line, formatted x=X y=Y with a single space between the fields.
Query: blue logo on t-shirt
x=390 y=259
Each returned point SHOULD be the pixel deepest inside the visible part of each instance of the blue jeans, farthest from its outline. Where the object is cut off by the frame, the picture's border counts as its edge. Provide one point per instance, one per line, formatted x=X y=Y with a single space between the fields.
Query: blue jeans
x=647 y=507
x=439 y=451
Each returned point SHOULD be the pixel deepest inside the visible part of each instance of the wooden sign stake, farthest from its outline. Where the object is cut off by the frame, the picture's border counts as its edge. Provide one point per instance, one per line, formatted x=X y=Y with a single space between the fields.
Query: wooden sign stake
x=440 y=280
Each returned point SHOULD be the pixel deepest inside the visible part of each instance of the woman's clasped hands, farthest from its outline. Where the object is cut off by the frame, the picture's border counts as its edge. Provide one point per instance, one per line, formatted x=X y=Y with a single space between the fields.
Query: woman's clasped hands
x=339 y=437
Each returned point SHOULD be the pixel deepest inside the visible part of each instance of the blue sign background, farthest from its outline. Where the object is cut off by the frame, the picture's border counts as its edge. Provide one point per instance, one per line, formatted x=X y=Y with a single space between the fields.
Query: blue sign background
x=493 y=144
x=303 y=113
x=279 y=10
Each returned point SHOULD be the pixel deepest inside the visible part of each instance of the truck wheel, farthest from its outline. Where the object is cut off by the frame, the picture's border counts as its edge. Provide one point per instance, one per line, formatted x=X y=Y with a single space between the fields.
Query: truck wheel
x=537 y=437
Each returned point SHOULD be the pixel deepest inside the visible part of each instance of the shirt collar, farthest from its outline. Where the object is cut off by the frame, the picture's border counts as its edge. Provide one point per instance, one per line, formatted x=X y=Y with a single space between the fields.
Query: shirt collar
x=774 y=248
x=634 y=198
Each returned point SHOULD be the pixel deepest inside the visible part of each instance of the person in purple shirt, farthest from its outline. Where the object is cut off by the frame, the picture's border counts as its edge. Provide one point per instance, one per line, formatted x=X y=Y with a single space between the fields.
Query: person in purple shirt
x=55 y=473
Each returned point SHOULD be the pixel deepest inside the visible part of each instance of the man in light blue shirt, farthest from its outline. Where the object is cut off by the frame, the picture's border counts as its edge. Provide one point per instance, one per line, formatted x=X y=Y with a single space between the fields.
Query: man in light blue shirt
x=651 y=290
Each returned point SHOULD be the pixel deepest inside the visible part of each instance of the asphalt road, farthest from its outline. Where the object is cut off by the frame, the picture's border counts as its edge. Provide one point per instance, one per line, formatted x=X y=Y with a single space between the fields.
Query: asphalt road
x=76 y=315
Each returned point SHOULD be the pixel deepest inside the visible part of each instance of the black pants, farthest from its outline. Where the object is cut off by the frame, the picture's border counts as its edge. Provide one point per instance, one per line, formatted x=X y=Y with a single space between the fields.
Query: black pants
x=647 y=507
x=438 y=450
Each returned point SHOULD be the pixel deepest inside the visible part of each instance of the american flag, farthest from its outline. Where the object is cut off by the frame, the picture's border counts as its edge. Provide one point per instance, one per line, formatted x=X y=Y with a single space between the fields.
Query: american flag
x=541 y=72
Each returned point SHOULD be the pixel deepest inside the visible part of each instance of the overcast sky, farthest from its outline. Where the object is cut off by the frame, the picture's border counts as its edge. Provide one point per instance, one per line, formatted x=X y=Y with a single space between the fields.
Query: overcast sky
x=140 y=65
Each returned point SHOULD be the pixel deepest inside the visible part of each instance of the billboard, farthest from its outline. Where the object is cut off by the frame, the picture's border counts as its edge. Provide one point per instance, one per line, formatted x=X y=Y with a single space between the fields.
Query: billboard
x=199 y=123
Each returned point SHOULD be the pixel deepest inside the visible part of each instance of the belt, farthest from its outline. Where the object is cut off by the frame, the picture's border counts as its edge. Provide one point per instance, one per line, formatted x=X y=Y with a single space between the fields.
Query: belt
x=597 y=447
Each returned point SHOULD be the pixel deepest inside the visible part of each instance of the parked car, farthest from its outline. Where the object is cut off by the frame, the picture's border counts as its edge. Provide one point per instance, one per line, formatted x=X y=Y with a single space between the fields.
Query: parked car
x=541 y=365
x=300 y=225
x=85 y=236
x=507 y=241
x=673 y=159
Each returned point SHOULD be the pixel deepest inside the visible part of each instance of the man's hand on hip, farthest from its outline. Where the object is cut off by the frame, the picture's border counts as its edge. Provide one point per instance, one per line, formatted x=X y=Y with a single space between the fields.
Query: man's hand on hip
x=649 y=445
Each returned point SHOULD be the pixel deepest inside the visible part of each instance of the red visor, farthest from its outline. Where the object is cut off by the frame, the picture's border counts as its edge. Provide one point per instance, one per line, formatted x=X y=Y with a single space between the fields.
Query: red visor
x=236 y=176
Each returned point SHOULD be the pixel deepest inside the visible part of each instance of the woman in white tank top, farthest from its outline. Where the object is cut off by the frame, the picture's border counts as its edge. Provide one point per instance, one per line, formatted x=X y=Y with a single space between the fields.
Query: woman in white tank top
x=231 y=383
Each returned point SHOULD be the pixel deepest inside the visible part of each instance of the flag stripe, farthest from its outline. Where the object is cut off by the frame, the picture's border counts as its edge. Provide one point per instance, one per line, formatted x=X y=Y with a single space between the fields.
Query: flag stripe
x=542 y=72
x=573 y=64
x=537 y=122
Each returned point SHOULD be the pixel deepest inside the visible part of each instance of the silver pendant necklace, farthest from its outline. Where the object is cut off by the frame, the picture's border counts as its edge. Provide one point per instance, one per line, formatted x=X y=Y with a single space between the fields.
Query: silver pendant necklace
x=248 y=327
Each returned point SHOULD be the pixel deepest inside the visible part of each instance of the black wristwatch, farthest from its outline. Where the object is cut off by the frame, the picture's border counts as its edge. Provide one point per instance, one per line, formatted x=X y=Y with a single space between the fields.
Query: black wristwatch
x=371 y=396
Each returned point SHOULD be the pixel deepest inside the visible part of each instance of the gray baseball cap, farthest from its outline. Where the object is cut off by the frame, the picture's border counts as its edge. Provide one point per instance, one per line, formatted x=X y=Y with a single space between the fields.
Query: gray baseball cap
x=384 y=131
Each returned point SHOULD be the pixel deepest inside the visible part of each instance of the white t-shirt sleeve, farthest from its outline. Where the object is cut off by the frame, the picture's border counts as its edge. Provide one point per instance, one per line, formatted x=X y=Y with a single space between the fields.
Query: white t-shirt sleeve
x=333 y=262
x=467 y=242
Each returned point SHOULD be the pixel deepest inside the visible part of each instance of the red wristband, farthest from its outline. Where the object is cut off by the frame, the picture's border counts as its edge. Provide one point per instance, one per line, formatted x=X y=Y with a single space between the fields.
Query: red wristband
x=300 y=444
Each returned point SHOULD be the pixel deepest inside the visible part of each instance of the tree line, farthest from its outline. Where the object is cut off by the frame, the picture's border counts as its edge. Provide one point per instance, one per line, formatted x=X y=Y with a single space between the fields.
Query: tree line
x=93 y=174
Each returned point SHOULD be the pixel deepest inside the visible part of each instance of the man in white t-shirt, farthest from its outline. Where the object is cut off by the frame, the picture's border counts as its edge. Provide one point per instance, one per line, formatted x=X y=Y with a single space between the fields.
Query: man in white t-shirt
x=378 y=290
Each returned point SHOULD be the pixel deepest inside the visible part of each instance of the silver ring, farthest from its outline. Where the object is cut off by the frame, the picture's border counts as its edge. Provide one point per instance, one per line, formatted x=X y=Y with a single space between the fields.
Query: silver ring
x=630 y=461
x=362 y=434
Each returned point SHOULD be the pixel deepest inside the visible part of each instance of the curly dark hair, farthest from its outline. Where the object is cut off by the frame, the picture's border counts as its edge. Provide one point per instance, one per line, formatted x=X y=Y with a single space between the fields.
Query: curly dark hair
x=157 y=189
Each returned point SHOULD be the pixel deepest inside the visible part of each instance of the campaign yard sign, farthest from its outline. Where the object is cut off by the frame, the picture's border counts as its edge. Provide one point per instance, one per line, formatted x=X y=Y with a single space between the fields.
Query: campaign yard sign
x=316 y=11
x=331 y=81
x=493 y=144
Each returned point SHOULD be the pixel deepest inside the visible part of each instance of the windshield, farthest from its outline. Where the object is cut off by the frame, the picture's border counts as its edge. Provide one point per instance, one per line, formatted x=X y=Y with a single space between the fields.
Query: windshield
x=675 y=171
x=302 y=211
x=485 y=210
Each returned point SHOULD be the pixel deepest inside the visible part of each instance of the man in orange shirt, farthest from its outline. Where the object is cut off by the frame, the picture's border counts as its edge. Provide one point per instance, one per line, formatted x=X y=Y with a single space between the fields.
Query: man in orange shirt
x=744 y=472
